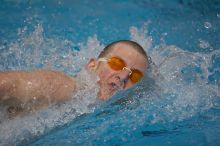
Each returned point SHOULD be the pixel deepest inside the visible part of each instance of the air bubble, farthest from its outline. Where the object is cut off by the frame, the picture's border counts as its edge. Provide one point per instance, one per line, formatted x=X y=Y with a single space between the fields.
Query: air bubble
x=203 y=44
x=207 y=25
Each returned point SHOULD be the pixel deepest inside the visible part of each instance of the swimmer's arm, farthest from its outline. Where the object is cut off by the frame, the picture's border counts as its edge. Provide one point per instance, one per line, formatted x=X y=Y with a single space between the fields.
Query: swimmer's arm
x=42 y=85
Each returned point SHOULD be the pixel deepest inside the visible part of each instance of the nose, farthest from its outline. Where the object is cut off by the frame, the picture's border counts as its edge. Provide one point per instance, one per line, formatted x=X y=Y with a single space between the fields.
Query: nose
x=122 y=78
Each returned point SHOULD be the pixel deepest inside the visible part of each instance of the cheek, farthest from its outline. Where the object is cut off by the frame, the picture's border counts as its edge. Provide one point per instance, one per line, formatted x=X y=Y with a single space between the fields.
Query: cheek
x=129 y=84
x=105 y=73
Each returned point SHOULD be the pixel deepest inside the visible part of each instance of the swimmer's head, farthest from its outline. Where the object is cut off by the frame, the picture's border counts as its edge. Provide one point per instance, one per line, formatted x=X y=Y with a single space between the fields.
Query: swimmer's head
x=120 y=65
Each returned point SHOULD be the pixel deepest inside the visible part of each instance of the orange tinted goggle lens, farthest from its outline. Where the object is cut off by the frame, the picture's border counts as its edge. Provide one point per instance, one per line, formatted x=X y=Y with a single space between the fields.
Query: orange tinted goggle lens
x=118 y=64
x=135 y=76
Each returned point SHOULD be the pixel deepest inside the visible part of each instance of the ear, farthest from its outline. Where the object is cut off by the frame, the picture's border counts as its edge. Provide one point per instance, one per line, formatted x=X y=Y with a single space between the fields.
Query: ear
x=92 y=64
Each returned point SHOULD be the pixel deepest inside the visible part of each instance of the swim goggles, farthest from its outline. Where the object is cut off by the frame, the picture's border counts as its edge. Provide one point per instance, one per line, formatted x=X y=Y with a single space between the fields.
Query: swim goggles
x=118 y=64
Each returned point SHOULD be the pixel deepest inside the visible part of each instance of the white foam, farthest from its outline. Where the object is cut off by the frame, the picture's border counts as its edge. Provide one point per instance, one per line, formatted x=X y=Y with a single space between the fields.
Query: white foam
x=176 y=92
x=45 y=51
x=182 y=80
x=19 y=129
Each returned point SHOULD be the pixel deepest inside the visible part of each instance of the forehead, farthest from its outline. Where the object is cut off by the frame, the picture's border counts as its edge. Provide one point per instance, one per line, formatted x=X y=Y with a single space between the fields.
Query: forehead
x=132 y=57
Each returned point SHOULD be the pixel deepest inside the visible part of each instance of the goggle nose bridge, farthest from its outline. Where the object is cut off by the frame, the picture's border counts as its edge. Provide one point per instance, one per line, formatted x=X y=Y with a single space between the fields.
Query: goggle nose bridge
x=128 y=69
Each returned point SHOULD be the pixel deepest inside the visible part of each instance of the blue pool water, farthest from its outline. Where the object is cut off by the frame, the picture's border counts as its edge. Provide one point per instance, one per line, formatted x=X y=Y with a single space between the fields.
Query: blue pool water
x=177 y=103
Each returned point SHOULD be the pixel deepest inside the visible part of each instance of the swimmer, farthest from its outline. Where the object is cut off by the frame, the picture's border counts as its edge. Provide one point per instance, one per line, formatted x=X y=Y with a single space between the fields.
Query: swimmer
x=120 y=65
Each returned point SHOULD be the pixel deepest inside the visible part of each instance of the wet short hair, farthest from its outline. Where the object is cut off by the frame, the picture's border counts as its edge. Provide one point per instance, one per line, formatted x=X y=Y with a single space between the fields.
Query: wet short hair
x=133 y=44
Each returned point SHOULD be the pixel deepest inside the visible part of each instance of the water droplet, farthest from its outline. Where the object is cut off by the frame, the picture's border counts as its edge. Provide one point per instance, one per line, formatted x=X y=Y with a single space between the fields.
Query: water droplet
x=207 y=25
x=203 y=44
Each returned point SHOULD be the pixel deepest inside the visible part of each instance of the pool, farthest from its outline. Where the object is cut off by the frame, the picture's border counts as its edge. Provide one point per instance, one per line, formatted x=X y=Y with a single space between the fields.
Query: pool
x=177 y=103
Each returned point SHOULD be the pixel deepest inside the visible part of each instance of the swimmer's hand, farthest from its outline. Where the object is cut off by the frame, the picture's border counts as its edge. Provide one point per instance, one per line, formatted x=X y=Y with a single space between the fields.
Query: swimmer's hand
x=42 y=86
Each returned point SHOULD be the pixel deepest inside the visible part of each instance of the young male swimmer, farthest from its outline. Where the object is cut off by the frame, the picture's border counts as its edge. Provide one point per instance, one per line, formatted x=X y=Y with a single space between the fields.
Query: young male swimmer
x=120 y=65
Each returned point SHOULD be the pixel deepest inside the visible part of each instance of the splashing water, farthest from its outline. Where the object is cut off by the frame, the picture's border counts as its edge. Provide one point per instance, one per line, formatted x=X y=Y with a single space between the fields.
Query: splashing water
x=182 y=81
x=83 y=101
x=35 y=51
x=176 y=88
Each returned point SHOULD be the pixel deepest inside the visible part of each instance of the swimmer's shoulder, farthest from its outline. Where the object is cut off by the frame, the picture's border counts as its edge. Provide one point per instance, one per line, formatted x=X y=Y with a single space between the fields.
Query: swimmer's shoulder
x=63 y=85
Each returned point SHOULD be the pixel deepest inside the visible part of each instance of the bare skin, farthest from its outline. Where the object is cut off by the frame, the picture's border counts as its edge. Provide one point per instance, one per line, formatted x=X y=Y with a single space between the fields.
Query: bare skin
x=111 y=80
x=41 y=85
x=46 y=87
x=38 y=88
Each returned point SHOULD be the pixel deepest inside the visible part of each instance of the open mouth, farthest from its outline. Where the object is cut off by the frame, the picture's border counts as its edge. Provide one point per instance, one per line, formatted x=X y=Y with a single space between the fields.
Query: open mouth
x=113 y=87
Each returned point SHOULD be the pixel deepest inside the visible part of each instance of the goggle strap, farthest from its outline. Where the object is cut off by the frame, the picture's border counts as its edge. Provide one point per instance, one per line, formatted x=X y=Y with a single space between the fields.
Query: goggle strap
x=103 y=59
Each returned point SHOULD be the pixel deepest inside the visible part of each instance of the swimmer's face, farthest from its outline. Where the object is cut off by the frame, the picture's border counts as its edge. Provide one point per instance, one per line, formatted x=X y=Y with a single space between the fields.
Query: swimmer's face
x=112 y=79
